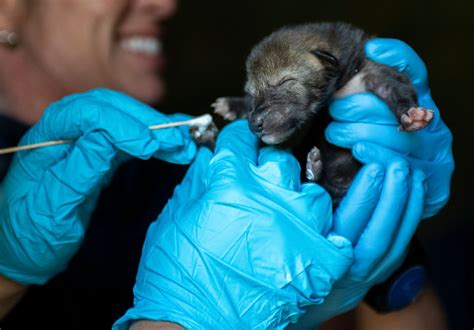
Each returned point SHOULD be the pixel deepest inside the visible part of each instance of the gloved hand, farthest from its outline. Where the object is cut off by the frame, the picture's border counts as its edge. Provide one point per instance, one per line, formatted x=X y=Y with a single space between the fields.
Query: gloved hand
x=364 y=123
x=48 y=195
x=380 y=243
x=242 y=243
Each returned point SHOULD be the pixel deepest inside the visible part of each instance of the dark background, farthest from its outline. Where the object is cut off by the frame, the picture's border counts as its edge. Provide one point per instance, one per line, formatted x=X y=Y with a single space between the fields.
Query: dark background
x=209 y=40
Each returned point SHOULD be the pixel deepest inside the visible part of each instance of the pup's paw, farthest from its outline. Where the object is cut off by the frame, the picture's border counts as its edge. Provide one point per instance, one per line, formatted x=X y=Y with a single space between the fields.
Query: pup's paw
x=415 y=119
x=222 y=107
x=205 y=137
x=314 y=165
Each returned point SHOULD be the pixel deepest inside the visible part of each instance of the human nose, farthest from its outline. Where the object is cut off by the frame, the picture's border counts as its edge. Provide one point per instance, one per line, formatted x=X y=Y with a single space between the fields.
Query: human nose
x=161 y=8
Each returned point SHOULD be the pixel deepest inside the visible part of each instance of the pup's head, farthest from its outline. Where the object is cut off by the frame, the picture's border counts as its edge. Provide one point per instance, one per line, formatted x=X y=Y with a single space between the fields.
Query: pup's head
x=290 y=76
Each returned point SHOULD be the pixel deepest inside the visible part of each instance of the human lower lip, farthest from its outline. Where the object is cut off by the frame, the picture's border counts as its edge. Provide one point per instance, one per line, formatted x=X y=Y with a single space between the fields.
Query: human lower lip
x=147 y=46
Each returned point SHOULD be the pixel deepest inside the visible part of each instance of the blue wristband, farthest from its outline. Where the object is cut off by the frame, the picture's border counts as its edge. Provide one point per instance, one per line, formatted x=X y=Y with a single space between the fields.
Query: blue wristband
x=404 y=286
x=407 y=286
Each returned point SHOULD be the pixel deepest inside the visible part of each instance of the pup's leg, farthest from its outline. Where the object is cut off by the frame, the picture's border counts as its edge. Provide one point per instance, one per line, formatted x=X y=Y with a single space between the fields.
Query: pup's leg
x=339 y=170
x=396 y=89
x=232 y=108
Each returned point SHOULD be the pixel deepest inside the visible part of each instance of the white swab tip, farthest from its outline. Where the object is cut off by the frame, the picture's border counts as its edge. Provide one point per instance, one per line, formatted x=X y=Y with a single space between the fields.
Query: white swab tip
x=201 y=121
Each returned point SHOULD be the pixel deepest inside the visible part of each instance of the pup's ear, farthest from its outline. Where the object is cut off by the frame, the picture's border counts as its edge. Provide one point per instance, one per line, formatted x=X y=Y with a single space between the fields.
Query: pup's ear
x=326 y=57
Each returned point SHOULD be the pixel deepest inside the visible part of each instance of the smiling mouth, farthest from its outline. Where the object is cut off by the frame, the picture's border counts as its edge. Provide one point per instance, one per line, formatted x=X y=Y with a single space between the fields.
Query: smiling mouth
x=140 y=45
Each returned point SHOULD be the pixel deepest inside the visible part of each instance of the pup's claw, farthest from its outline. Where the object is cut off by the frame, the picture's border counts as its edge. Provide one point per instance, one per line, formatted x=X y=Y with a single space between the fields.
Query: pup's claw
x=314 y=165
x=415 y=119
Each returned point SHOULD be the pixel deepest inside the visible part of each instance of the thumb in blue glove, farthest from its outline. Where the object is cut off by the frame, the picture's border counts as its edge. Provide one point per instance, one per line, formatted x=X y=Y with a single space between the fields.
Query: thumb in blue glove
x=49 y=193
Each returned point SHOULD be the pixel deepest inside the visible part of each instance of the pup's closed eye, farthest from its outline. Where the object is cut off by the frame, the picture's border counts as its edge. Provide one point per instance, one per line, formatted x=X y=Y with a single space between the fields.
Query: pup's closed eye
x=286 y=80
x=326 y=57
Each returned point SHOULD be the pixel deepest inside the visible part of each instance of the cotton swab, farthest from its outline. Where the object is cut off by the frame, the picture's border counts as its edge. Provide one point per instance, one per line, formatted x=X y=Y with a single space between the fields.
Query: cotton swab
x=202 y=122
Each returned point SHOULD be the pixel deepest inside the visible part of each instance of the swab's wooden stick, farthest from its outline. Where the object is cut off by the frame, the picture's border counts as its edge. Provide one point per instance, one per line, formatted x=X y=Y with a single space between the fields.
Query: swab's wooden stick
x=33 y=146
x=202 y=121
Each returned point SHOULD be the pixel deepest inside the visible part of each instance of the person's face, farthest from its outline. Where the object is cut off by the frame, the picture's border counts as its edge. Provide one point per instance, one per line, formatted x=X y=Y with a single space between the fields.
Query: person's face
x=83 y=44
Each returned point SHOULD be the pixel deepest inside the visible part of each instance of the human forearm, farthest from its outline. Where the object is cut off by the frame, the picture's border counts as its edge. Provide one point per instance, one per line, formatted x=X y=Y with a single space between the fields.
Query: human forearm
x=10 y=293
x=425 y=313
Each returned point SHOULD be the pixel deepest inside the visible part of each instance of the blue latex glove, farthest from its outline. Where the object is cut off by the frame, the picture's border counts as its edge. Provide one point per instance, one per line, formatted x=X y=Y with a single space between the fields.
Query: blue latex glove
x=380 y=236
x=242 y=244
x=364 y=123
x=48 y=195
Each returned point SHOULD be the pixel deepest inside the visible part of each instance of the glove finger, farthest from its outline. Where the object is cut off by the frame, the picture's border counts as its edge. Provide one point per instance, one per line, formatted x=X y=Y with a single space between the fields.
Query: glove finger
x=315 y=282
x=362 y=108
x=406 y=143
x=194 y=183
x=279 y=167
x=169 y=151
x=142 y=113
x=314 y=207
x=176 y=144
x=368 y=108
x=356 y=208
x=411 y=219
x=383 y=226
x=67 y=183
x=185 y=153
x=235 y=145
x=82 y=114
x=175 y=117
x=366 y=152
x=437 y=193
x=397 y=54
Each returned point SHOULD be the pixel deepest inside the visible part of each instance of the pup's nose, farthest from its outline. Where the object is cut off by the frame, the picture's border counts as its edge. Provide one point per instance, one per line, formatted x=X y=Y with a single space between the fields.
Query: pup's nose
x=256 y=120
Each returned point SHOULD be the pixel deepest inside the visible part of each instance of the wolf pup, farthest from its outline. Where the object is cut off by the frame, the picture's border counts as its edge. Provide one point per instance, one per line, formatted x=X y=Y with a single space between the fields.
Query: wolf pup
x=295 y=72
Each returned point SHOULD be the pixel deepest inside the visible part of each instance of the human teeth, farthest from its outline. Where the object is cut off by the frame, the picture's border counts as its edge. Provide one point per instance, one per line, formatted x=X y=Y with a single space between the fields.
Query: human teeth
x=144 y=45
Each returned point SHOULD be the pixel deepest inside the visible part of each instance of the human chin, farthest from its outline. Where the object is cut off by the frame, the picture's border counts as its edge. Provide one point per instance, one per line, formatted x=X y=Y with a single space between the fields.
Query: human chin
x=138 y=65
x=149 y=88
